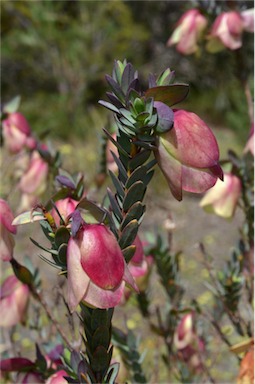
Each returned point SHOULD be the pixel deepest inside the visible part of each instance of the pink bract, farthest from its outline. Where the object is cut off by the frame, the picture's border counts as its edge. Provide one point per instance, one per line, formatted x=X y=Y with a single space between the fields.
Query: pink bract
x=188 y=155
x=226 y=32
x=13 y=302
x=222 y=199
x=16 y=130
x=57 y=378
x=6 y=230
x=188 y=32
x=96 y=268
x=65 y=207
x=33 y=180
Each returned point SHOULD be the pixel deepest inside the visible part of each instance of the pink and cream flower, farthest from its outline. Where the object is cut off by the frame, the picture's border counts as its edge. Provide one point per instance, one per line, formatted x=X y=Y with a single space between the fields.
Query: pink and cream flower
x=96 y=269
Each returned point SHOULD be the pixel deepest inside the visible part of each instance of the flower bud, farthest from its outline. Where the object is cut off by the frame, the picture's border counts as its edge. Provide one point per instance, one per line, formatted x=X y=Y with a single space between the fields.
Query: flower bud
x=65 y=207
x=16 y=130
x=188 y=155
x=222 y=199
x=226 y=32
x=13 y=302
x=33 y=180
x=140 y=265
x=188 y=32
x=6 y=229
x=96 y=268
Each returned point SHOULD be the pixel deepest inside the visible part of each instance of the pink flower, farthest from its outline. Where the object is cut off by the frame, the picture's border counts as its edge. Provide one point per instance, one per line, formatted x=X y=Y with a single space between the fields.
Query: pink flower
x=96 y=268
x=6 y=229
x=16 y=132
x=248 y=20
x=187 y=342
x=188 y=31
x=57 y=378
x=65 y=207
x=13 y=302
x=34 y=179
x=140 y=265
x=226 y=32
x=111 y=165
x=188 y=155
x=222 y=199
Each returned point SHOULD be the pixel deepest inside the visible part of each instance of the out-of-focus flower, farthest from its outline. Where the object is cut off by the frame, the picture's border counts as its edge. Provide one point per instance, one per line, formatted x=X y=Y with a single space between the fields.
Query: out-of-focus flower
x=248 y=20
x=17 y=133
x=57 y=378
x=29 y=378
x=222 y=199
x=13 y=301
x=140 y=265
x=246 y=372
x=110 y=147
x=188 y=155
x=15 y=364
x=226 y=32
x=6 y=230
x=187 y=342
x=188 y=32
x=96 y=268
x=65 y=207
x=33 y=180
x=249 y=147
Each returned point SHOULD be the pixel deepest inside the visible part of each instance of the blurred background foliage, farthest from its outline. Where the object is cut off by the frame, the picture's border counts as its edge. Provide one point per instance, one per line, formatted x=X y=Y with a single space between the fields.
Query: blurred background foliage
x=55 y=55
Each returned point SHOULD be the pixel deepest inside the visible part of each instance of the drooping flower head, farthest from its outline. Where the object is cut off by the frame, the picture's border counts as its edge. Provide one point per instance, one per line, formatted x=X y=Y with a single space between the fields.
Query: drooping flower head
x=188 y=155
x=226 y=32
x=189 y=345
x=34 y=178
x=17 y=133
x=14 y=297
x=188 y=32
x=6 y=230
x=96 y=268
x=222 y=199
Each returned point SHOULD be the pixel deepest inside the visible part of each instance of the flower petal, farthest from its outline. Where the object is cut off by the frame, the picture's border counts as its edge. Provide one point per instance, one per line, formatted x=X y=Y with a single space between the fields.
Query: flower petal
x=101 y=256
x=101 y=298
x=77 y=279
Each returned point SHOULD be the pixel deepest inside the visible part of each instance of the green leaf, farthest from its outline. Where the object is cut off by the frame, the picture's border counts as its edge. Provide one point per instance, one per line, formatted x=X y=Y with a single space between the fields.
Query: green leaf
x=169 y=94
x=51 y=251
x=22 y=273
x=100 y=214
x=128 y=235
x=139 y=159
x=127 y=77
x=28 y=217
x=112 y=373
x=114 y=205
x=62 y=235
x=100 y=359
x=138 y=174
x=101 y=338
x=117 y=184
x=108 y=105
x=135 y=212
x=12 y=106
x=135 y=193
x=129 y=252
x=62 y=251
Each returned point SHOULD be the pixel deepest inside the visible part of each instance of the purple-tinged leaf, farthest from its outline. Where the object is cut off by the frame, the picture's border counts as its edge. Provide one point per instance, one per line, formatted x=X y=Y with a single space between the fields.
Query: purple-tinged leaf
x=77 y=221
x=169 y=94
x=165 y=117
x=65 y=181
